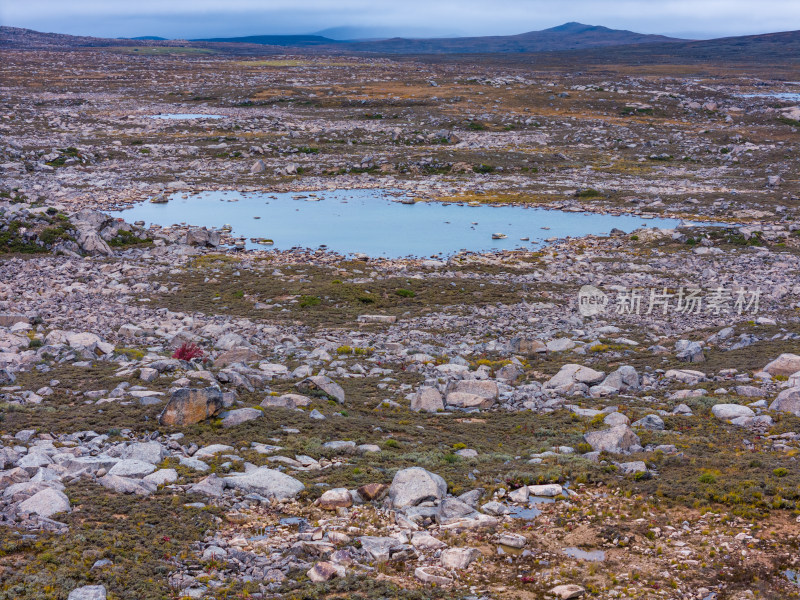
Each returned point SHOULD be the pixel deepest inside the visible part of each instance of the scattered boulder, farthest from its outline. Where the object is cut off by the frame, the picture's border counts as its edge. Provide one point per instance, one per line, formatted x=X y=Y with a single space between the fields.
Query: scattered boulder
x=325 y=571
x=383 y=549
x=549 y=490
x=427 y=399
x=232 y=418
x=466 y=400
x=651 y=422
x=688 y=351
x=127 y=485
x=267 y=482
x=45 y=503
x=458 y=558
x=132 y=468
x=414 y=485
x=623 y=379
x=321 y=385
x=290 y=401
x=335 y=498
x=527 y=346
x=483 y=388
x=785 y=364
x=560 y=345
x=432 y=576
x=512 y=540
x=616 y=418
x=91 y=242
x=617 y=440
x=88 y=592
x=151 y=452
x=373 y=491
x=788 y=401
x=200 y=236
x=568 y=591
x=187 y=406
x=573 y=373
x=726 y=412
x=236 y=355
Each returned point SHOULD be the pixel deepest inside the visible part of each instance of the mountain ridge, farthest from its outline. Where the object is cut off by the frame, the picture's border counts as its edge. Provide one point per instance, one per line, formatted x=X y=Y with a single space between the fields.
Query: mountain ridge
x=774 y=48
x=568 y=36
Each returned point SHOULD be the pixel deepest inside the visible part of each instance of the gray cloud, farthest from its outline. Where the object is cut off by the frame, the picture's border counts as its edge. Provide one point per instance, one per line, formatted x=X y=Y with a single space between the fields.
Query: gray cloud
x=203 y=18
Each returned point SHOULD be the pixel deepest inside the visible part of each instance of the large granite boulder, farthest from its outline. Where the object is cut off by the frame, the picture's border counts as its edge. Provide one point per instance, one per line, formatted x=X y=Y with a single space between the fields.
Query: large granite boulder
x=785 y=364
x=188 y=406
x=617 y=440
x=414 y=485
x=266 y=482
x=788 y=401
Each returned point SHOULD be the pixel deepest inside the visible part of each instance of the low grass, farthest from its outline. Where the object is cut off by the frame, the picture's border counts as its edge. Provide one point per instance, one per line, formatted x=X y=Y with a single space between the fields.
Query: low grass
x=159 y=50
x=318 y=296
x=141 y=536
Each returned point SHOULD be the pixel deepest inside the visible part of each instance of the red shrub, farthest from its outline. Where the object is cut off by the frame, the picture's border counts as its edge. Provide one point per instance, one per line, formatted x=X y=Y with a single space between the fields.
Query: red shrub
x=187 y=352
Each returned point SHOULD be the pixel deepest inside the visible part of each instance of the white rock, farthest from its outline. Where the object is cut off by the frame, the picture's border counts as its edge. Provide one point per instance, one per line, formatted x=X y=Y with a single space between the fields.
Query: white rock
x=132 y=468
x=458 y=558
x=267 y=482
x=725 y=412
x=88 y=592
x=414 y=485
x=549 y=490
x=45 y=503
x=785 y=364
x=162 y=477
x=788 y=401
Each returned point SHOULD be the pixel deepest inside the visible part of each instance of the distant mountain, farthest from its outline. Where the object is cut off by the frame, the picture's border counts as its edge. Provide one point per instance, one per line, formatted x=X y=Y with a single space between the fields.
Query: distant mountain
x=768 y=48
x=148 y=37
x=580 y=45
x=570 y=36
x=16 y=37
x=348 y=33
x=276 y=40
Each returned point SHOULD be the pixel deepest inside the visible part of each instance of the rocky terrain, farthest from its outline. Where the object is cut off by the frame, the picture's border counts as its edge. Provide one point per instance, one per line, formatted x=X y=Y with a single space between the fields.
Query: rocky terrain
x=182 y=419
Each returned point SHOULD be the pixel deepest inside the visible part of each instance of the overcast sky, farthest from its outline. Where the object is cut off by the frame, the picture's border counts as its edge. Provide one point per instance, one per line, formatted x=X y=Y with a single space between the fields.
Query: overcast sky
x=422 y=18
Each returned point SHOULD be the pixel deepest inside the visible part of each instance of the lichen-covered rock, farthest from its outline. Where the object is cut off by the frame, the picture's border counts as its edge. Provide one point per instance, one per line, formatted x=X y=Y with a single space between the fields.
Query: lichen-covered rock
x=187 y=406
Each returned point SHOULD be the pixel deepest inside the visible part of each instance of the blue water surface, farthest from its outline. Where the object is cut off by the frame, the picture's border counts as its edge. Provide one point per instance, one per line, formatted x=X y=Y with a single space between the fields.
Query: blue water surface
x=370 y=222
x=793 y=96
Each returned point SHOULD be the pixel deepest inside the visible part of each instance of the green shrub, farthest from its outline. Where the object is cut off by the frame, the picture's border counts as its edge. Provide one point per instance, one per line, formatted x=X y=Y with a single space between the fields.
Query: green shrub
x=307 y=301
x=707 y=478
